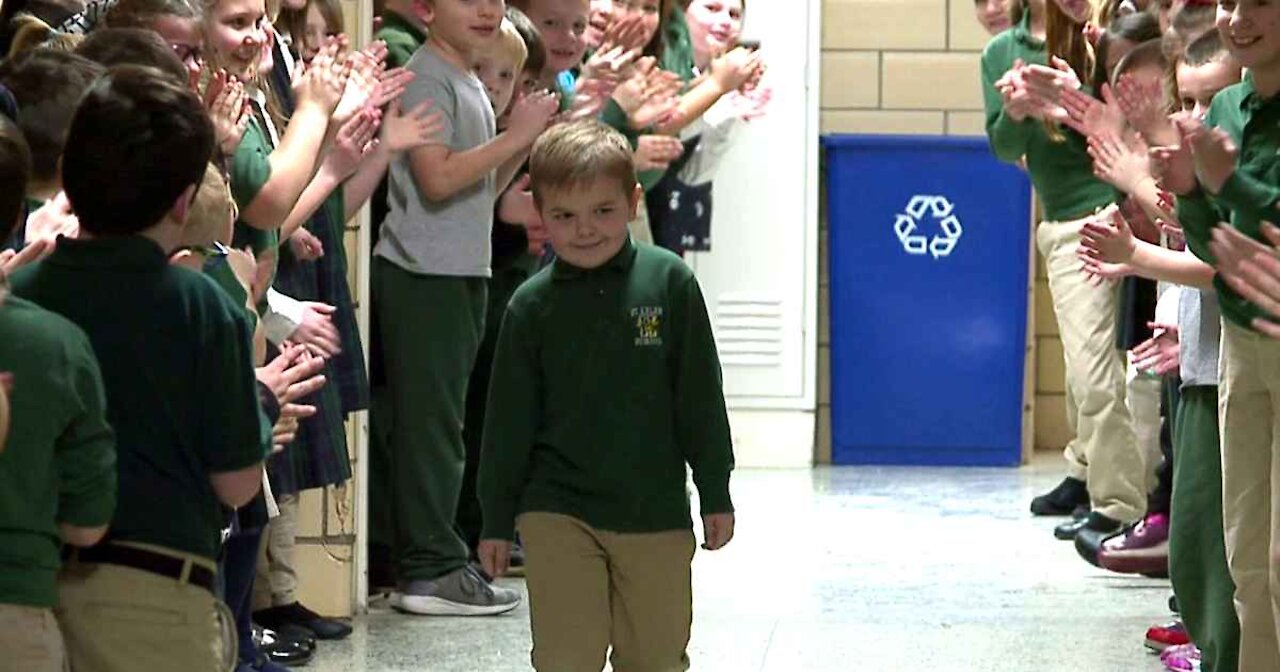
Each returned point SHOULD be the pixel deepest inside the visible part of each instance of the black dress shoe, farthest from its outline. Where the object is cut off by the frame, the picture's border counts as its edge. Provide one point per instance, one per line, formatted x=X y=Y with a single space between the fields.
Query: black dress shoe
x=1089 y=544
x=282 y=651
x=1062 y=500
x=293 y=616
x=1094 y=521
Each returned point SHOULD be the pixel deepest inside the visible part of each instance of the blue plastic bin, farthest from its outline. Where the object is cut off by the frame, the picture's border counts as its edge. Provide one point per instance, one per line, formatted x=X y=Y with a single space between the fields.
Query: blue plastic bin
x=929 y=260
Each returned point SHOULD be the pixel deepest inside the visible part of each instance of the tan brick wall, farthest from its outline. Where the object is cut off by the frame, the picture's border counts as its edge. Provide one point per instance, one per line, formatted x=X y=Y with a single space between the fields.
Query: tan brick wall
x=912 y=67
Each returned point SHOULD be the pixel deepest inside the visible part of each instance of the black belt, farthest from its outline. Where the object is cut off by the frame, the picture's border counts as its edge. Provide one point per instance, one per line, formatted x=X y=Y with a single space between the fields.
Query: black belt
x=144 y=560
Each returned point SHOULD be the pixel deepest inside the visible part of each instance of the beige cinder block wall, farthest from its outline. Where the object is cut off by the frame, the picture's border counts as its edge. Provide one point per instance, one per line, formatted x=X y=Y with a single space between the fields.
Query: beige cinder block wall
x=912 y=67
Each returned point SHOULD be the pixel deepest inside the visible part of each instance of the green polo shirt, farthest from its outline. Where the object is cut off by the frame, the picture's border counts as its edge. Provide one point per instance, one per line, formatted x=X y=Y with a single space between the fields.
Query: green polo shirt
x=176 y=359
x=250 y=172
x=403 y=37
x=1061 y=170
x=606 y=383
x=1250 y=195
x=59 y=465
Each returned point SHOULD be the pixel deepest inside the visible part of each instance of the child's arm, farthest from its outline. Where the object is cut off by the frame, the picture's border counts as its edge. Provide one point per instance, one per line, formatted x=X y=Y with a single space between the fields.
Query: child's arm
x=441 y=172
x=728 y=73
x=510 y=426
x=1116 y=244
x=701 y=419
x=86 y=456
x=231 y=432
x=1008 y=124
x=292 y=163
x=400 y=132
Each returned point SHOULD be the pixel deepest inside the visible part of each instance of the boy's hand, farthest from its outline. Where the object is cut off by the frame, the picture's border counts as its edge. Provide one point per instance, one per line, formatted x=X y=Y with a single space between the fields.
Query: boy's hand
x=495 y=556
x=11 y=260
x=1160 y=354
x=1252 y=269
x=516 y=206
x=317 y=331
x=1174 y=168
x=656 y=152
x=402 y=131
x=1108 y=242
x=51 y=220
x=1214 y=151
x=531 y=114
x=1140 y=101
x=1091 y=117
x=305 y=246
x=717 y=530
x=391 y=85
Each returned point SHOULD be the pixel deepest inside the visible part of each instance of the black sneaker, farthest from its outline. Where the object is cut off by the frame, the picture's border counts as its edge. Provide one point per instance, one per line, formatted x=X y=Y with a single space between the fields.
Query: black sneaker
x=1062 y=500
x=295 y=616
x=1094 y=522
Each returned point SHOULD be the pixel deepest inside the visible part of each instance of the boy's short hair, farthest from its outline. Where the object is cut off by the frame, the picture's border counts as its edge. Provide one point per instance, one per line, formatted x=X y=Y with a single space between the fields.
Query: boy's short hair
x=510 y=44
x=47 y=85
x=155 y=136
x=1205 y=49
x=212 y=211
x=572 y=155
x=143 y=13
x=15 y=170
x=1149 y=54
x=535 y=51
x=133 y=46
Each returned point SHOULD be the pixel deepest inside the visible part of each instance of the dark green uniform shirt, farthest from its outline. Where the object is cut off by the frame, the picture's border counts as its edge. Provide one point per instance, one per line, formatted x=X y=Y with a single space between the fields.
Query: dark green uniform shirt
x=1250 y=195
x=606 y=383
x=1061 y=171
x=403 y=37
x=59 y=465
x=177 y=363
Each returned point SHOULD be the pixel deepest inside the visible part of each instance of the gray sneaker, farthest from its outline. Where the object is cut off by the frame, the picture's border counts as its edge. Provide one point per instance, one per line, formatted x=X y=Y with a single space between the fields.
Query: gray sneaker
x=463 y=592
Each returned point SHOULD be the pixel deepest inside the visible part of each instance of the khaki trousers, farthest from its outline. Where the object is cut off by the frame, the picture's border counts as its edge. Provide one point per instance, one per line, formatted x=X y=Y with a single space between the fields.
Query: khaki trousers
x=118 y=619
x=1142 y=396
x=589 y=590
x=276 y=584
x=30 y=640
x=1105 y=453
x=1249 y=413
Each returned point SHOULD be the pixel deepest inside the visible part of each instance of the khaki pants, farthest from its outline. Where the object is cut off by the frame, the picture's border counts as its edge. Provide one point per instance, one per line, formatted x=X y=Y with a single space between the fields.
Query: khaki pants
x=276 y=584
x=30 y=640
x=1249 y=412
x=1105 y=453
x=118 y=619
x=1142 y=396
x=590 y=589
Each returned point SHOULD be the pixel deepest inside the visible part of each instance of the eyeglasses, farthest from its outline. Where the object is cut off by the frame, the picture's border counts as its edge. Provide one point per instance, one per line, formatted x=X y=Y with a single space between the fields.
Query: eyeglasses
x=188 y=53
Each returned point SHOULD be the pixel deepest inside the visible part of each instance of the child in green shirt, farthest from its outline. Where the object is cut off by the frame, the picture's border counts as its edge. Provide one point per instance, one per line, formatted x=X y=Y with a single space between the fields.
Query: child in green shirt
x=606 y=386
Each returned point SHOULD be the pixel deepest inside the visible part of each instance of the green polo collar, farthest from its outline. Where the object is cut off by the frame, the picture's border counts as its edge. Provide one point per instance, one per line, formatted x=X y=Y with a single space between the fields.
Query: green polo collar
x=1251 y=101
x=620 y=263
x=129 y=252
x=1022 y=32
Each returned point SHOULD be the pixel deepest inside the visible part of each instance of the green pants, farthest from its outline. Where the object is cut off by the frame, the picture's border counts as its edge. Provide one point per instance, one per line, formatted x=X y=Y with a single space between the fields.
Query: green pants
x=431 y=329
x=1197 y=550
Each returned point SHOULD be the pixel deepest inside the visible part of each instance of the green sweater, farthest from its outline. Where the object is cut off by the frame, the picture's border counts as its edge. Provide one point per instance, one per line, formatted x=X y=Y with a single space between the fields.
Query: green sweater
x=403 y=37
x=59 y=464
x=1250 y=195
x=1061 y=171
x=606 y=383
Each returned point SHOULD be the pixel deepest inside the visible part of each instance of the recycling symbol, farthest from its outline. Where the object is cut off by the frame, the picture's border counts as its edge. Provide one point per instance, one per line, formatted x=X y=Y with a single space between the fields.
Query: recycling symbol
x=919 y=211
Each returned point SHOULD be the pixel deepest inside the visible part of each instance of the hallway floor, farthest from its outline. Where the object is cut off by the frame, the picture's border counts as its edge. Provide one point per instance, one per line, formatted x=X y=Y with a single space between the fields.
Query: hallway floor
x=867 y=568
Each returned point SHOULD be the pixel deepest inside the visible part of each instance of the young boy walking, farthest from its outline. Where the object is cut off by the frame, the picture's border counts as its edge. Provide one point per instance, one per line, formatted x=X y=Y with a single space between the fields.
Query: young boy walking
x=431 y=275
x=606 y=384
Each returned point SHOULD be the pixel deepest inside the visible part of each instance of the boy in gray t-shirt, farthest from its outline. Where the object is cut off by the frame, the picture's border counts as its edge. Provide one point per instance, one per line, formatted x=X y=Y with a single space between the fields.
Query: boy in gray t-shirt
x=431 y=272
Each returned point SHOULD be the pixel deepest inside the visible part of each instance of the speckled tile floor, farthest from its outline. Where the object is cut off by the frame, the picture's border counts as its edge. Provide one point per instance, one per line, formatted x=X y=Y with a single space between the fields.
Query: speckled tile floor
x=867 y=569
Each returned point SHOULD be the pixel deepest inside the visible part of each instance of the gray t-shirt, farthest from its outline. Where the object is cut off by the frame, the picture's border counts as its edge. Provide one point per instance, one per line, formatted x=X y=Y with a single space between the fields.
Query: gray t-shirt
x=450 y=237
x=1199 y=332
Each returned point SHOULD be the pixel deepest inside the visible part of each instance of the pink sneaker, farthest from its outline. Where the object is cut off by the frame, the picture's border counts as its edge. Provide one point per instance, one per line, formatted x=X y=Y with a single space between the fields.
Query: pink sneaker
x=1142 y=550
x=1184 y=658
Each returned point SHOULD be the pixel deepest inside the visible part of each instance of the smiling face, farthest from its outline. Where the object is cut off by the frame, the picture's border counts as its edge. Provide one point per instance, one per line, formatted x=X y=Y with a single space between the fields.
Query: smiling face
x=714 y=26
x=468 y=26
x=497 y=71
x=1078 y=10
x=598 y=22
x=562 y=25
x=993 y=15
x=237 y=36
x=587 y=224
x=1251 y=31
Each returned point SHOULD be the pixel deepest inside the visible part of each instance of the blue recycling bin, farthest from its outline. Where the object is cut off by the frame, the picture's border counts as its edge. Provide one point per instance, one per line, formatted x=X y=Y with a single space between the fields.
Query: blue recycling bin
x=929 y=244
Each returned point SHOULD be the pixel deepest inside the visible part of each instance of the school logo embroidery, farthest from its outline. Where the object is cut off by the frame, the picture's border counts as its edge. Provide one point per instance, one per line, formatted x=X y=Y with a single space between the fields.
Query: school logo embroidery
x=648 y=321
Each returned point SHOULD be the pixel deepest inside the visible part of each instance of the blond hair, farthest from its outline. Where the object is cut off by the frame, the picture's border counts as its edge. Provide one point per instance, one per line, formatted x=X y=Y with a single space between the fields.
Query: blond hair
x=212 y=212
x=511 y=45
x=570 y=156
